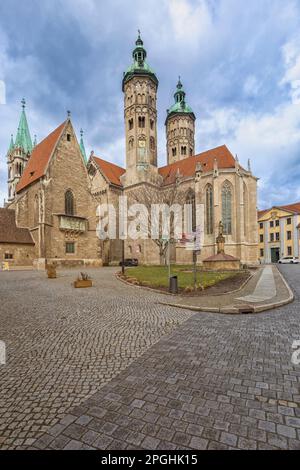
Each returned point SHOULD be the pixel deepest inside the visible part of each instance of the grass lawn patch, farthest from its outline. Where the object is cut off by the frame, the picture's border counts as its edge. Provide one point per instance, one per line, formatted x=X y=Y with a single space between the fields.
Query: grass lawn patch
x=157 y=276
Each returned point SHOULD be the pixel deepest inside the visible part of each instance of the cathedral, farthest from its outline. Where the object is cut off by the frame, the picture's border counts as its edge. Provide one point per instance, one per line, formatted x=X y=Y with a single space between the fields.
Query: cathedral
x=54 y=190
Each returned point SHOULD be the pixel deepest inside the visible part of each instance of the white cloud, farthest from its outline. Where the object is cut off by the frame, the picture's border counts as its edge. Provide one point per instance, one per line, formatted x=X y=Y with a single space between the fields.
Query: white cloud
x=190 y=21
x=291 y=57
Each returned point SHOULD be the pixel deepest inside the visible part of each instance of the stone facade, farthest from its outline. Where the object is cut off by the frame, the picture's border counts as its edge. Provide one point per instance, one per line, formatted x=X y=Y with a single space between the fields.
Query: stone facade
x=16 y=254
x=40 y=207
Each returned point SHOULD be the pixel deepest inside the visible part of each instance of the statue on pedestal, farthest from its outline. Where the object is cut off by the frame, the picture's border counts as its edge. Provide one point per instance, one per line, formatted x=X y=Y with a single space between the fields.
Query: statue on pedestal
x=220 y=239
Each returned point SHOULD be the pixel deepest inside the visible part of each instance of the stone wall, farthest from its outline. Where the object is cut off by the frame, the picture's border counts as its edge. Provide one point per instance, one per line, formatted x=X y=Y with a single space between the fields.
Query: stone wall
x=23 y=255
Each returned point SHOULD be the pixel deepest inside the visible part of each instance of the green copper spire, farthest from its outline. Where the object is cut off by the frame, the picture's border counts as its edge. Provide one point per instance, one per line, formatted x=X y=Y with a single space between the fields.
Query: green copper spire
x=23 y=138
x=180 y=106
x=139 y=65
x=82 y=147
x=11 y=145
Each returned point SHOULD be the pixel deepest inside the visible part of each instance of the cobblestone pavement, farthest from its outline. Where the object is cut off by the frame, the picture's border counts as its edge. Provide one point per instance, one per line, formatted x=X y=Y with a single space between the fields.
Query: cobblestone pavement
x=63 y=344
x=216 y=382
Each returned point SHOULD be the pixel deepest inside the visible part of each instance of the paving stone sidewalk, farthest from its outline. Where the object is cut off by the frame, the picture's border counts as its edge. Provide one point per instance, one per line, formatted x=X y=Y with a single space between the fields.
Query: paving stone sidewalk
x=265 y=287
x=216 y=382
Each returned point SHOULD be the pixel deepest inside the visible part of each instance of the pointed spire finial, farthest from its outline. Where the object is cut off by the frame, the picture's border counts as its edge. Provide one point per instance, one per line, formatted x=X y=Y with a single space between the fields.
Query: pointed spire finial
x=249 y=165
x=23 y=102
x=139 y=41
x=35 y=141
x=82 y=147
x=68 y=113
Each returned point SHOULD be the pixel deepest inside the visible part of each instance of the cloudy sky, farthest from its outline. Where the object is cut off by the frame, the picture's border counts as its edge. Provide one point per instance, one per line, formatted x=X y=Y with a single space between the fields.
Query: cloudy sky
x=239 y=62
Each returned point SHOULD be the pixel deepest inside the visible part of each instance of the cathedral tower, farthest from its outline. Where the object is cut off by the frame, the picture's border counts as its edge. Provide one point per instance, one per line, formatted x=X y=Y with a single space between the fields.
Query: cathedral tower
x=18 y=154
x=140 y=89
x=180 y=128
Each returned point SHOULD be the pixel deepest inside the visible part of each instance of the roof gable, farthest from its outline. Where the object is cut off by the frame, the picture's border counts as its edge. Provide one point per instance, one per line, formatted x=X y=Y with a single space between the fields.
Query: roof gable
x=187 y=166
x=282 y=211
x=9 y=232
x=109 y=170
x=40 y=157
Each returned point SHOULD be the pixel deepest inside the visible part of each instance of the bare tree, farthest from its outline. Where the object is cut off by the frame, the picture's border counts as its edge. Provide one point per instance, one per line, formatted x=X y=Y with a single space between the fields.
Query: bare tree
x=150 y=196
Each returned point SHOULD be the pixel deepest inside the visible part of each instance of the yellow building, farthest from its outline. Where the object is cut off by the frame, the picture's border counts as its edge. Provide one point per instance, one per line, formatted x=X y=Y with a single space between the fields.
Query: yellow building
x=279 y=233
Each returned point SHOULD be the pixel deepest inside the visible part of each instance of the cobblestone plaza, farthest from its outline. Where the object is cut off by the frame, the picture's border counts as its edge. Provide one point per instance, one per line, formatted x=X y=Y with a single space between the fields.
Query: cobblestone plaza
x=111 y=368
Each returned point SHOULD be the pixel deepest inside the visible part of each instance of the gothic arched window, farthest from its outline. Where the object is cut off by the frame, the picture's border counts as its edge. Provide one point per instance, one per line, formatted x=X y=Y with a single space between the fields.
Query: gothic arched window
x=183 y=150
x=141 y=121
x=36 y=210
x=227 y=207
x=152 y=143
x=245 y=198
x=191 y=211
x=69 y=203
x=209 y=209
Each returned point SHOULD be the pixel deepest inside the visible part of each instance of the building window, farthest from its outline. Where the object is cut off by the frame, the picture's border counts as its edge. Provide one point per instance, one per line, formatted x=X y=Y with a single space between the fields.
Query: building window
x=226 y=208
x=277 y=223
x=69 y=203
x=191 y=218
x=151 y=124
x=277 y=236
x=70 y=248
x=261 y=225
x=141 y=121
x=289 y=251
x=152 y=143
x=174 y=152
x=289 y=221
x=261 y=238
x=8 y=256
x=131 y=143
x=191 y=152
x=289 y=235
x=209 y=210
x=261 y=252
x=272 y=223
x=272 y=237
x=69 y=137
x=130 y=124
x=183 y=150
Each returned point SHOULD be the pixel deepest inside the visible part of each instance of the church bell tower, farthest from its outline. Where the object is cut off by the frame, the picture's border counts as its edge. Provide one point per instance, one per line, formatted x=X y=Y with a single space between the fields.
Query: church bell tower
x=180 y=128
x=18 y=154
x=140 y=92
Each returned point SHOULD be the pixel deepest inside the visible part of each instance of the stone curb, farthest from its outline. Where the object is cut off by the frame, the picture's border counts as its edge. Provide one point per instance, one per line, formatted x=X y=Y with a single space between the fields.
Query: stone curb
x=236 y=311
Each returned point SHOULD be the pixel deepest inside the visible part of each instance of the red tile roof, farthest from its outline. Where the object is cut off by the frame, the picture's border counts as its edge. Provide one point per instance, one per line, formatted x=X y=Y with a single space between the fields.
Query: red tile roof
x=38 y=162
x=187 y=166
x=289 y=207
x=111 y=171
x=9 y=232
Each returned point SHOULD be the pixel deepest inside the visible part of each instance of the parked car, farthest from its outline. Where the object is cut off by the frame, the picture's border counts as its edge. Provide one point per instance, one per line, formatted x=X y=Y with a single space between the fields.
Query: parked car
x=130 y=262
x=288 y=260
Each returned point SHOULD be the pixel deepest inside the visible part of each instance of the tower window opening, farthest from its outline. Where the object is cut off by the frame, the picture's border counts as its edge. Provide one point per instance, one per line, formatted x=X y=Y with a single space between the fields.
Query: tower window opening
x=151 y=124
x=130 y=124
x=141 y=121
x=183 y=150
x=69 y=137
x=174 y=151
